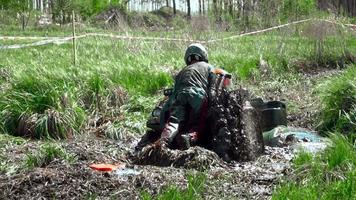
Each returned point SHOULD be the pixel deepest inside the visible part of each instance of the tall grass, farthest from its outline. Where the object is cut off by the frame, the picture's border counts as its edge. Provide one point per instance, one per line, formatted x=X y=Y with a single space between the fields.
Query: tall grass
x=338 y=96
x=37 y=105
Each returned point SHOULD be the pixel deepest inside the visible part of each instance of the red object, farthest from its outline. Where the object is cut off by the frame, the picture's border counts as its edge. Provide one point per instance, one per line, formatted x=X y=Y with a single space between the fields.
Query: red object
x=106 y=167
x=227 y=82
x=193 y=136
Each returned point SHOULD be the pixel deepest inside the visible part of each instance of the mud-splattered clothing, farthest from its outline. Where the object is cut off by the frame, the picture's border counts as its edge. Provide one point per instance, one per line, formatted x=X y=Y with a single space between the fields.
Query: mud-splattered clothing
x=189 y=93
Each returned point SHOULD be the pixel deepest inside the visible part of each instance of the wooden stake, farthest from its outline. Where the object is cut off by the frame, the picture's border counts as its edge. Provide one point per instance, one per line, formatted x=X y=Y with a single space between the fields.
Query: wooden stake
x=74 y=42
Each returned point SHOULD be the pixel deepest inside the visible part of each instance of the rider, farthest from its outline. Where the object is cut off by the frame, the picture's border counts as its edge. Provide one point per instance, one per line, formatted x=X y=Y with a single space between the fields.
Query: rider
x=186 y=109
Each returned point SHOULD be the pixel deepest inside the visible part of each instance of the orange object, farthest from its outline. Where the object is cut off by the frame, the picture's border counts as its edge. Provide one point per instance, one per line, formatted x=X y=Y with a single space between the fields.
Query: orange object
x=218 y=71
x=106 y=167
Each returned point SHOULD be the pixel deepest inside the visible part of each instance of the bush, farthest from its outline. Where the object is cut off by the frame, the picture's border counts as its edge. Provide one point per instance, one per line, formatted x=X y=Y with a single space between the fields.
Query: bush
x=338 y=96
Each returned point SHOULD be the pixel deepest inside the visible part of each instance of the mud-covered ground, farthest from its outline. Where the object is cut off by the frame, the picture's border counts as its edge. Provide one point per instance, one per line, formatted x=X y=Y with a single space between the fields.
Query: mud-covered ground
x=61 y=179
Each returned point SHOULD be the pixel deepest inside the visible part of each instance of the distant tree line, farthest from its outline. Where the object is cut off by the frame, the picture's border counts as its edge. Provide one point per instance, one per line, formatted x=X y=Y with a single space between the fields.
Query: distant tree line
x=246 y=12
x=339 y=6
x=242 y=7
x=60 y=10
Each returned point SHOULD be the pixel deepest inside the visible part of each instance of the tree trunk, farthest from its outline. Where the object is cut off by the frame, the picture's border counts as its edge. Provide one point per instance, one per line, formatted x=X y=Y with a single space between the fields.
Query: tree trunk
x=231 y=7
x=200 y=7
x=51 y=10
x=174 y=7
x=188 y=10
x=221 y=6
x=208 y=5
x=246 y=13
x=226 y=5
x=203 y=4
x=41 y=6
x=215 y=8
x=23 y=22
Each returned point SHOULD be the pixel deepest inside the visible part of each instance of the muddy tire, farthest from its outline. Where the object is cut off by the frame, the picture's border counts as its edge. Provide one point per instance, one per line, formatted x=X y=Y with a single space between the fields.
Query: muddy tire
x=236 y=128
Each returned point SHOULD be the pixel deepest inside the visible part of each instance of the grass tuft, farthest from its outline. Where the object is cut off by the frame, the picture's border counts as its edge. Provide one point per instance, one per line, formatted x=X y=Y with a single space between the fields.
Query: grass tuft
x=194 y=190
x=48 y=152
x=338 y=96
x=342 y=152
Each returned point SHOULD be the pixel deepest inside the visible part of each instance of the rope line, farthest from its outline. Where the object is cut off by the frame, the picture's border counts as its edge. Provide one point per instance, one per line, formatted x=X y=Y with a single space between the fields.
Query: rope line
x=61 y=40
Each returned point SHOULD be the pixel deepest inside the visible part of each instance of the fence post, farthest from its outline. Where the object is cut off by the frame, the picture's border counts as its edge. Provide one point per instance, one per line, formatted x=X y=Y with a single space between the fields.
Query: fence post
x=74 y=42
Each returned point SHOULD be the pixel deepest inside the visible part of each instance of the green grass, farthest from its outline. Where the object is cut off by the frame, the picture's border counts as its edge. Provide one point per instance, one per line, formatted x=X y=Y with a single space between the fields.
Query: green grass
x=40 y=84
x=194 y=190
x=338 y=97
x=327 y=175
x=47 y=153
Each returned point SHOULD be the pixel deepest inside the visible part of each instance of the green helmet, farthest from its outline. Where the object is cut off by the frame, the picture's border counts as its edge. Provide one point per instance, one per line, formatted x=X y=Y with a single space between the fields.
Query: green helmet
x=198 y=51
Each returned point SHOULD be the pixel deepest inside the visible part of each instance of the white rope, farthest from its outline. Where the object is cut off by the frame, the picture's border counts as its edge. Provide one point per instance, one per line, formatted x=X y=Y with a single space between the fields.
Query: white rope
x=59 y=40
x=260 y=31
x=28 y=38
x=41 y=43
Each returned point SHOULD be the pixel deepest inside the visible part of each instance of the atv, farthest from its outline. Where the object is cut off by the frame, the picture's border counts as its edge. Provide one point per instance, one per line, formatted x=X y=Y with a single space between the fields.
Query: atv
x=233 y=125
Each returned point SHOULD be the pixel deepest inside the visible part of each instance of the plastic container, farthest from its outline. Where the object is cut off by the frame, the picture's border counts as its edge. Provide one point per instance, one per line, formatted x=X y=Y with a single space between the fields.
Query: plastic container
x=273 y=113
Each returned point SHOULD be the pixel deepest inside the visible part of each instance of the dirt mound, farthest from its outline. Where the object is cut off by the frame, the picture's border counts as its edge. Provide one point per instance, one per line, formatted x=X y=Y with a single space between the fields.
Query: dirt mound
x=193 y=158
